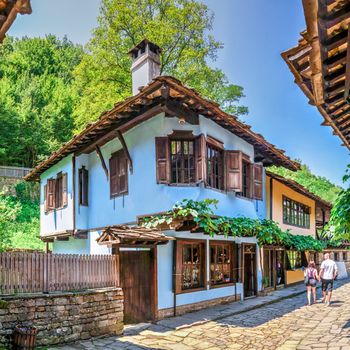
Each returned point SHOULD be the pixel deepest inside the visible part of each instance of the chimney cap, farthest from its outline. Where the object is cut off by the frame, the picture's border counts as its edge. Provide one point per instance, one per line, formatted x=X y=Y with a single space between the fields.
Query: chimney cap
x=142 y=45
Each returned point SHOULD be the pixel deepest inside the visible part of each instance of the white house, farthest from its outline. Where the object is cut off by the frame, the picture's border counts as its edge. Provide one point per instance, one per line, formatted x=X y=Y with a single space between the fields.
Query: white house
x=162 y=145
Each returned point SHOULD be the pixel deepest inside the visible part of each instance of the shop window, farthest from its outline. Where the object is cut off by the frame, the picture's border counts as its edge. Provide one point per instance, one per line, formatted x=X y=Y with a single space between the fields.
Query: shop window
x=222 y=263
x=294 y=260
x=190 y=265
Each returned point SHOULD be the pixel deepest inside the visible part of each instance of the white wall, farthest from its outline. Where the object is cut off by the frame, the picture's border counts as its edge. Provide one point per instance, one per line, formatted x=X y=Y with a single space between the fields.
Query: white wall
x=165 y=273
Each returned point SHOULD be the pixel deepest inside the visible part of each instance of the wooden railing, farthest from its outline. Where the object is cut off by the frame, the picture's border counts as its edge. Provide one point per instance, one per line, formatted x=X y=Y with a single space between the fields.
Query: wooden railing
x=38 y=272
x=13 y=172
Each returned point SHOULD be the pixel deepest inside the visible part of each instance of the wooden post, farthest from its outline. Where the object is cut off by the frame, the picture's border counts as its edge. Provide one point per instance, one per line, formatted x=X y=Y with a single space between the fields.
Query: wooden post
x=116 y=252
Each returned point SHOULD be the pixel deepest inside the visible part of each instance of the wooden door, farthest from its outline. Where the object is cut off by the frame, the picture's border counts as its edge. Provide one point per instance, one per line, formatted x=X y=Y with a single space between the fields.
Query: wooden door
x=249 y=266
x=136 y=281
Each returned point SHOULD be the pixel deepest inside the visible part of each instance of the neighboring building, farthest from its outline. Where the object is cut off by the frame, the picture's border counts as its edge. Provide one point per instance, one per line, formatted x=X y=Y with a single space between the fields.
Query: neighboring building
x=300 y=211
x=9 y=176
x=8 y=13
x=162 y=145
x=320 y=62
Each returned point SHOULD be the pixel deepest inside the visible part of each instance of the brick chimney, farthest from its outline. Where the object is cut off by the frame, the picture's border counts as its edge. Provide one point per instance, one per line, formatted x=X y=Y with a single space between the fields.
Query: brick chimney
x=145 y=64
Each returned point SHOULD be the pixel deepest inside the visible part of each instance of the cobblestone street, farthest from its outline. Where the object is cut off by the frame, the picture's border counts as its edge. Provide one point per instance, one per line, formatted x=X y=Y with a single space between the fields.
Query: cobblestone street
x=287 y=324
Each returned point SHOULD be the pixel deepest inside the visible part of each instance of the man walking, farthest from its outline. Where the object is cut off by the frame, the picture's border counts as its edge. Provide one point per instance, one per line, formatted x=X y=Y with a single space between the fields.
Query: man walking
x=328 y=273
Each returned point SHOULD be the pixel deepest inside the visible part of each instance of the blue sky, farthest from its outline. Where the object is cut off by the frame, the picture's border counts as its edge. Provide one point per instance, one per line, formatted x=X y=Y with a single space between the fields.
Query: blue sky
x=254 y=33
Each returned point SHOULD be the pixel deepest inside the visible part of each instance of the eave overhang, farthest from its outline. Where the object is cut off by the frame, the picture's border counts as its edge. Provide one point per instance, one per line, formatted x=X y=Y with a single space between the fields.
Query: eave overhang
x=320 y=62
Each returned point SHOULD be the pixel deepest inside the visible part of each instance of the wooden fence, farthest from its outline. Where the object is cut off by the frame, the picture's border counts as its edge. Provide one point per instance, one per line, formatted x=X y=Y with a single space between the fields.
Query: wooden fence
x=13 y=171
x=38 y=272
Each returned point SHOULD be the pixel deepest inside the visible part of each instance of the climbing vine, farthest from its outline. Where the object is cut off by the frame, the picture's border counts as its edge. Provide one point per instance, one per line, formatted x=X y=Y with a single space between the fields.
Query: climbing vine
x=267 y=232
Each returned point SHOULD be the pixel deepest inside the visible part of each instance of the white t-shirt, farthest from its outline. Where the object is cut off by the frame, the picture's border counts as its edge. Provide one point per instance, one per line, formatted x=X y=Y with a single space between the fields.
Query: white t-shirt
x=329 y=267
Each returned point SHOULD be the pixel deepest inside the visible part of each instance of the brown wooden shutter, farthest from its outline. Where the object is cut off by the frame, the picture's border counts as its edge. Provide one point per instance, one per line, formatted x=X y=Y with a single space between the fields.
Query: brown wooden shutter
x=201 y=164
x=258 y=181
x=122 y=173
x=178 y=266
x=83 y=187
x=64 y=189
x=113 y=176
x=51 y=194
x=233 y=171
x=45 y=198
x=85 y=178
x=163 y=160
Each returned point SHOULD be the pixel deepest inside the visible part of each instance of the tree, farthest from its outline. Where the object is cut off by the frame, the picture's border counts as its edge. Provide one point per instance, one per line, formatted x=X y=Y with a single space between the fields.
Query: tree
x=180 y=27
x=339 y=224
x=37 y=97
x=318 y=185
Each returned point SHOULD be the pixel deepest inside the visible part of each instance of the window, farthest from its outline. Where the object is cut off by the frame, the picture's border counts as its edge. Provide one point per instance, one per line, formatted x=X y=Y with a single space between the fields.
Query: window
x=118 y=169
x=247 y=180
x=295 y=213
x=55 y=193
x=294 y=260
x=190 y=265
x=336 y=257
x=344 y=256
x=215 y=167
x=183 y=158
x=221 y=263
x=182 y=161
x=83 y=186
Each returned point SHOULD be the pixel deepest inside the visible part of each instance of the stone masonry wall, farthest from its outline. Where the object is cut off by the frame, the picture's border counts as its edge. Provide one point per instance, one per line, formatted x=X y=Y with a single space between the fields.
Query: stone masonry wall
x=63 y=318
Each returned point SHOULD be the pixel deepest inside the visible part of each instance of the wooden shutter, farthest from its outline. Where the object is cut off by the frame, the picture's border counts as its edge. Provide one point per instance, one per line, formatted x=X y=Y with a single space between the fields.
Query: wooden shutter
x=200 y=159
x=83 y=189
x=45 y=198
x=178 y=266
x=51 y=192
x=113 y=176
x=64 y=189
x=258 y=181
x=233 y=171
x=122 y=167
x=163 y=160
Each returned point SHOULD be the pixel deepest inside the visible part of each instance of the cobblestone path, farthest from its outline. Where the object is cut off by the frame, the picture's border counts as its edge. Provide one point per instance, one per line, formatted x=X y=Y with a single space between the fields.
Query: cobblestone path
x=285 y=325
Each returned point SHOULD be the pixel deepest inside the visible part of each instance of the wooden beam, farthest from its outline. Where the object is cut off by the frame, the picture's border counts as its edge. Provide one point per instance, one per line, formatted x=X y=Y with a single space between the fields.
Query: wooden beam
x=347 y=72
x=125 y=148
x=337 y=16
x=176 y=109
x=104 y=166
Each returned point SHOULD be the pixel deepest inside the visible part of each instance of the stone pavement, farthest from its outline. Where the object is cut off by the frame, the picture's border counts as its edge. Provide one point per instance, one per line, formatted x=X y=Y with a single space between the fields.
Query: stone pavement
x=260 y=323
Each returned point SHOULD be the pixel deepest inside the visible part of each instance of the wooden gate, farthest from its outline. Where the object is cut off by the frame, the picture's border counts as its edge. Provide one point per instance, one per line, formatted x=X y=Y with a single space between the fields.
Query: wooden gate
x=138 y=280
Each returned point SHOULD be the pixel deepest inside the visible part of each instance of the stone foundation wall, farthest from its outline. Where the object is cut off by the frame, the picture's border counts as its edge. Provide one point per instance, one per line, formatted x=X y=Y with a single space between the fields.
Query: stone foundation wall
x=182 y=309
x=63 y=318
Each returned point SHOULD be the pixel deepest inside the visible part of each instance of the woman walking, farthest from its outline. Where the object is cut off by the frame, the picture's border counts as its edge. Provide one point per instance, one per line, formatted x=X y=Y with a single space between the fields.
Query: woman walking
x=311 y=277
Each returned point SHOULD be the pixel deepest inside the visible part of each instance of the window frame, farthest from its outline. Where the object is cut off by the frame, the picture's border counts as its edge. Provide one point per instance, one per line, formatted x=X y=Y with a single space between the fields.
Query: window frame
x=232 y=278
x=296 y=259
x=180 y=244
x=214 y=147
x=295 y=212
x=182 y=140
x=249 y=178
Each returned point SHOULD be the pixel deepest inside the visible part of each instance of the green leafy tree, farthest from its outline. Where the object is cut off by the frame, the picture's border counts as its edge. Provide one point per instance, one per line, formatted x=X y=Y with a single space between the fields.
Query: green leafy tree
x=318 y=185
x=180 y=27
x=37 y=98
x=339 y=224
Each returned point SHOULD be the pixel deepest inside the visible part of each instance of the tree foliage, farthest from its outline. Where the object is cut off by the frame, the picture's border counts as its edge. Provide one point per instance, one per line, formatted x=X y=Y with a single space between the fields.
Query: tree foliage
x=318 y=185
x=180 y=27
x=37 y=98
x=19 y=220
x=267 y=232
x=339 y=224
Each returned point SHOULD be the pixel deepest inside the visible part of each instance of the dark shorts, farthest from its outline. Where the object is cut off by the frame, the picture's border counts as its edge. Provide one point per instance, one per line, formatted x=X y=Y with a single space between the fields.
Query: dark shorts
x=312 y=283
x=327 y=285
